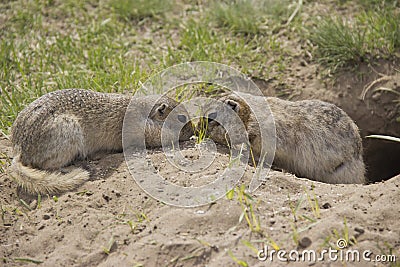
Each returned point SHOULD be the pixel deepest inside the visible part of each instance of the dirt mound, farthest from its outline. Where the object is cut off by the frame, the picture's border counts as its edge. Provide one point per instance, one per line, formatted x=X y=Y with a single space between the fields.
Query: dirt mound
x=110 y=221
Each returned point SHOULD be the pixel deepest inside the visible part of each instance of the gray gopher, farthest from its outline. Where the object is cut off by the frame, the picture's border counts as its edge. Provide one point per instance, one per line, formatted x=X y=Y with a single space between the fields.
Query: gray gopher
x=314 y=139
x=72 y=124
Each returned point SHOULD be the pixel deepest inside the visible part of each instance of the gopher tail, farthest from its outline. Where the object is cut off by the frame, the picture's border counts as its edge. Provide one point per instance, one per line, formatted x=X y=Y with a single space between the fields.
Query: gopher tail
x=39 y=181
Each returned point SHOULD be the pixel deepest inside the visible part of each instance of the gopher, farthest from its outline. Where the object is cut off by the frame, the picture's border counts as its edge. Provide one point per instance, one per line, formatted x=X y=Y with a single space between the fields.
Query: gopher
x=314 y=139
x=67 y=125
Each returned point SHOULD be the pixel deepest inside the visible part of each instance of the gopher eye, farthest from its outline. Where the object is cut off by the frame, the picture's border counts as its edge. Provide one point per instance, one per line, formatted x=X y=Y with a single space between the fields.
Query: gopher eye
x=212 y=116
x=182 y=118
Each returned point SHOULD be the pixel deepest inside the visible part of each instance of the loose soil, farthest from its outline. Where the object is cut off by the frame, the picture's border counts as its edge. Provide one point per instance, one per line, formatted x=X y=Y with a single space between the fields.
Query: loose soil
x=110 y=221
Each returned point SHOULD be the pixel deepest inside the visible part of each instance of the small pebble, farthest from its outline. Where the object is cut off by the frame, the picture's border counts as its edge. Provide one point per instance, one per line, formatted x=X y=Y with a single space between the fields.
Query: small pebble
x=359 y=230
x=376 y=96
x=305 y=242
x=326 y=205
x=106 y=197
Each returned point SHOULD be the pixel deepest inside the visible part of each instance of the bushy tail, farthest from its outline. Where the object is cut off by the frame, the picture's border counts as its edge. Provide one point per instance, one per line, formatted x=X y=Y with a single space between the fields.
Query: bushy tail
x=39 y=181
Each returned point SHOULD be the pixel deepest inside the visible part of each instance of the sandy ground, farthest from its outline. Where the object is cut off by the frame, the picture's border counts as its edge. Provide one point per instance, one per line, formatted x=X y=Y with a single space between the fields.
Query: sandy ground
x=110 y=221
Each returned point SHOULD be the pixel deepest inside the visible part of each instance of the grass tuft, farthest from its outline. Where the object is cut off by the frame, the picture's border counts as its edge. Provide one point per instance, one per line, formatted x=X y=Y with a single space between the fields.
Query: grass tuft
x=239 y=16
x=246 y=203
x=237 y=261
x=140 y=9
x=249 y=16
x=199 y=42
x=372 y=34
x=85 y=55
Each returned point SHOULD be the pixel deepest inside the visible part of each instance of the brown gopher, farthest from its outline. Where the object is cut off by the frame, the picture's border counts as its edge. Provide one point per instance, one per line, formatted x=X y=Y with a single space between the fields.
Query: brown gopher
x=72 y=124
x=314 y=139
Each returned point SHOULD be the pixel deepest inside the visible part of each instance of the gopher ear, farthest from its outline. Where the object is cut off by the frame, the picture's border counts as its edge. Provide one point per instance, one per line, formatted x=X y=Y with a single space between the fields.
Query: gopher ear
x=162 y=108
x=233 y=104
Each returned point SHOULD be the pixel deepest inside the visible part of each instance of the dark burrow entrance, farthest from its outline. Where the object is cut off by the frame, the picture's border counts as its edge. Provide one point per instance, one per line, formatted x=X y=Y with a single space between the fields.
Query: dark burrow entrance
x=382 y=159
x=370 y=95
x=378 y=113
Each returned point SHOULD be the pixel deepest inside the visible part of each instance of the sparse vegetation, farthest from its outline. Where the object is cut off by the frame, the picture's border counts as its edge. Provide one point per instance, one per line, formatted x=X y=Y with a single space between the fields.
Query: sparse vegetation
x=336 y=236
x=94 y=49
x=239 y=16
x=44 y=58
x=246 y=202
x=238 y=261
x=250 y=16
x=342 y=42
x=110 y=246
x=139 y=9
x=4 y=161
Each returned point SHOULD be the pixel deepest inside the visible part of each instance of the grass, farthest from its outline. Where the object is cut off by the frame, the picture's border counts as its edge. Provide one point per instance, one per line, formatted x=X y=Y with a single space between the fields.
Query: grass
x=372 y=34
x=343 y=235
x=201 y=130
x=50 y=45
x=373 y=4
x=199 y=42
x=110 y=246
x=313 y=205
x=239 y=16
x=301 y=219
x=4 y=162
x=44 y=58
x=301 y=222
x=248 y=209
x=250 y=17
x=134 y=10
x=237 y=261
x=135 y=219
